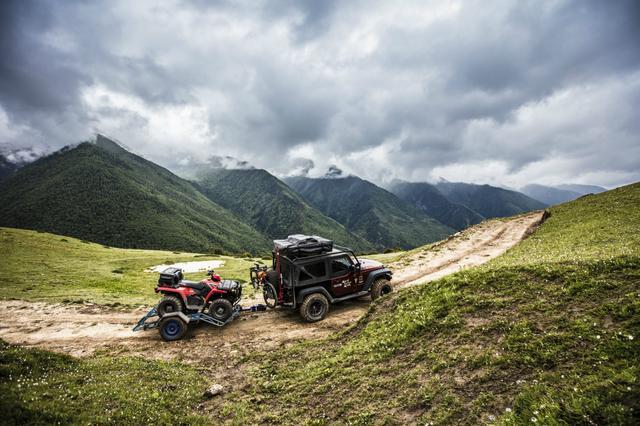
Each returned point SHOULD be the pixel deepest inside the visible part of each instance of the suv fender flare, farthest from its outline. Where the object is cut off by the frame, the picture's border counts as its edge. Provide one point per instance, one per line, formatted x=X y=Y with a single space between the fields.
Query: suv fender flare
x=316 y=289
x=373 y=275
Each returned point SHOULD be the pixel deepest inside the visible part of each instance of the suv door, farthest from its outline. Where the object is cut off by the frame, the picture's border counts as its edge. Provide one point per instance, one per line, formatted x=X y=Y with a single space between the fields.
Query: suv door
x=341 y=270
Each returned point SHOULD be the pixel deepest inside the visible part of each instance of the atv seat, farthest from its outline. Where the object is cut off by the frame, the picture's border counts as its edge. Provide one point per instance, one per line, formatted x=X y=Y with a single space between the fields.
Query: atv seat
x=199 y=287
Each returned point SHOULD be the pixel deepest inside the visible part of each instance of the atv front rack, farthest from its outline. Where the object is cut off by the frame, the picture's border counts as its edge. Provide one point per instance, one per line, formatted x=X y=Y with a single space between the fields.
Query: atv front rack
x=152 y=319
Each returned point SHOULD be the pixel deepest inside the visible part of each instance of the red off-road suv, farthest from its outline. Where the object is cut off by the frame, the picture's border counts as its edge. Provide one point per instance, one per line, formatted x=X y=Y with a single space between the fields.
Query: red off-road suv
x=309 y=273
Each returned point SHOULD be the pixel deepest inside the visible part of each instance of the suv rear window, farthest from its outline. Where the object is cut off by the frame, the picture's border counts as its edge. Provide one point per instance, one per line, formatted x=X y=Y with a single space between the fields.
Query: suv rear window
x=312 y=270
x=340 y=265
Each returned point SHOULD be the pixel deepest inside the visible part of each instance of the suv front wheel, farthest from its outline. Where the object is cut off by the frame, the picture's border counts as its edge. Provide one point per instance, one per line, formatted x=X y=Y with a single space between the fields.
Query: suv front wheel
x=314 y=307
x=380 y=287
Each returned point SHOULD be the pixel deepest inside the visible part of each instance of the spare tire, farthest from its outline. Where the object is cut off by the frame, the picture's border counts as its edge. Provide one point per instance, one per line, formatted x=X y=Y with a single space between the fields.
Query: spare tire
x=272 y=277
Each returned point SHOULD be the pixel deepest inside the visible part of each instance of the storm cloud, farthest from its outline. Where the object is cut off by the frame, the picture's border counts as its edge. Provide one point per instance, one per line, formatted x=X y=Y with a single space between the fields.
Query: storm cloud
x=496 y=92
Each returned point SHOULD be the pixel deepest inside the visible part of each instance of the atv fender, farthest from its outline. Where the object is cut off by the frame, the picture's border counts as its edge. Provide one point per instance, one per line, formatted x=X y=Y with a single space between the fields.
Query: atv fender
x=317 y=289
x=374 y=275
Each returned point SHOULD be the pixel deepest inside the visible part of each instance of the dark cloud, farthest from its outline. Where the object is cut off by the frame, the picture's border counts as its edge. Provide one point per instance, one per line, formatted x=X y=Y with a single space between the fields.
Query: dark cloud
x=333 y=172
x=496 y=91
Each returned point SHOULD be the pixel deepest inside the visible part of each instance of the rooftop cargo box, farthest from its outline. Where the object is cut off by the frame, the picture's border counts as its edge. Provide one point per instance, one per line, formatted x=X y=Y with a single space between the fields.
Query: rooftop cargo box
x=299 y=245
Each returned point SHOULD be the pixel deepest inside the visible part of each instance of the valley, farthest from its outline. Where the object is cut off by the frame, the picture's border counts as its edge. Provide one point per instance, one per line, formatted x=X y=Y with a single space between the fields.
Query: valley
x=498 y=329
x=81 y=328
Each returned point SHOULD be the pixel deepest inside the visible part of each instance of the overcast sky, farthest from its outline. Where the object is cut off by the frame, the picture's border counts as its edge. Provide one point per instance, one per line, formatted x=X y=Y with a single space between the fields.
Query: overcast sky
x=504 y=92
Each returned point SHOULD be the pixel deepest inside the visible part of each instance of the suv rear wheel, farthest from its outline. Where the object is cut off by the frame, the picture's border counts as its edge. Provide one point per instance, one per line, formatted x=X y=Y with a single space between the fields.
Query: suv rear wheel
x=314 y=307
x=380 y=287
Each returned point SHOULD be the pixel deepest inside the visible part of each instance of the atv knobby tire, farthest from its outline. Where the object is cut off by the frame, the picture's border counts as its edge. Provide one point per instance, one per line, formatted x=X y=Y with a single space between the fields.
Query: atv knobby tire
x=221 y=309
x=169 y=304
x=314 y=307
x=380 y=287
x=172 y=328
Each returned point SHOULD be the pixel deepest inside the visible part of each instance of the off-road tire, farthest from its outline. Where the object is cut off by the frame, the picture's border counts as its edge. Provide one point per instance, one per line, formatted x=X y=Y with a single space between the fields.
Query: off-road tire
x=315 y=307
x=169 y=304
x=270 y=295
x=380 y=287
x=221 y=309
x=172 y=328
x=272 y=277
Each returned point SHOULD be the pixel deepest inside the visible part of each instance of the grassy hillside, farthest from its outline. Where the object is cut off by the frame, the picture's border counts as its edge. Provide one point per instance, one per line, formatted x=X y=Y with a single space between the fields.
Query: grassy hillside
x=548 y=333
x=52 y=268
x=41 y=387
x=103 y=193
x=370 y=211
x=269 y=205
x=431 y=201
x=489 y=201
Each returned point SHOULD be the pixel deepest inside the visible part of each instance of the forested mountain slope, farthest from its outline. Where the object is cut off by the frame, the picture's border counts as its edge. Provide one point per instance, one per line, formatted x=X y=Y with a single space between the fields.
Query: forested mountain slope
x=103 y=193
x=270 y=206
x=370 y=211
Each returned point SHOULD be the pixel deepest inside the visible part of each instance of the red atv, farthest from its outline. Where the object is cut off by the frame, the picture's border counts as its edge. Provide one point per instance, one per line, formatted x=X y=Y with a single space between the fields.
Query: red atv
x=212 y=295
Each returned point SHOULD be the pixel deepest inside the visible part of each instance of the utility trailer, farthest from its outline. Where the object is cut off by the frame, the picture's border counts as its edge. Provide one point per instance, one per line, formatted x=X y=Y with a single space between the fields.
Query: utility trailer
x=174 y=325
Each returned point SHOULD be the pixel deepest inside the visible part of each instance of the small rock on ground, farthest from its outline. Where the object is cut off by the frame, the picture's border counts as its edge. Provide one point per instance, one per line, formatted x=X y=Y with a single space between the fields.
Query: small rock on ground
x=214 y=390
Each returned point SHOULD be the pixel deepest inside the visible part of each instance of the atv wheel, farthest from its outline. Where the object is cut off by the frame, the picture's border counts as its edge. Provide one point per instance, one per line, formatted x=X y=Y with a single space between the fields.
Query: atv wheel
x=314 y=307
x=221 y=309
x=169 y=304
x=380 y=287
x=270 y=295
x=172 y=328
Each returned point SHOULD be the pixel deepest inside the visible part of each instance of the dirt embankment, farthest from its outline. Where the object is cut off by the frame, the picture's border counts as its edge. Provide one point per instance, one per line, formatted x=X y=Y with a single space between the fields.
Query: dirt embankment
x=81 y=330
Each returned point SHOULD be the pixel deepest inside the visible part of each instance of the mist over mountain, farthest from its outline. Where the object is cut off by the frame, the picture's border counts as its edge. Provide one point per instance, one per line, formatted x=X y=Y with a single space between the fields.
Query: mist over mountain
x=549 y=195
x=582 y=189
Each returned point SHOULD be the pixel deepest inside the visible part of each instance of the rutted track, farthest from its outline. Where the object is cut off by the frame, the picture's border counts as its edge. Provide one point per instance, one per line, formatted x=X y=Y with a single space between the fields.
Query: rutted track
x=83 y=330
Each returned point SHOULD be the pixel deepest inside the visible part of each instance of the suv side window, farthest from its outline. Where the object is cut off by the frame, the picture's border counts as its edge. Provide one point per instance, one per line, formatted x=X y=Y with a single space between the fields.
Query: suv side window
x=312 y=270
x=340 y=265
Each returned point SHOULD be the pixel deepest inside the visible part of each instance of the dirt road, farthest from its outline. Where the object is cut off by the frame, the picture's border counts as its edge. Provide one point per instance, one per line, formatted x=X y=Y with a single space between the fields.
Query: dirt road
x=81 y=331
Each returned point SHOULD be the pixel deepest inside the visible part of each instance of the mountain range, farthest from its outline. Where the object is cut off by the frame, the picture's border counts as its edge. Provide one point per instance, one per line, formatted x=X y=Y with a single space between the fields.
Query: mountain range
x=270 y=206
x=370 y=211
x=431 y=201
x=103 y=193
x=100 y=191
x=559 y=194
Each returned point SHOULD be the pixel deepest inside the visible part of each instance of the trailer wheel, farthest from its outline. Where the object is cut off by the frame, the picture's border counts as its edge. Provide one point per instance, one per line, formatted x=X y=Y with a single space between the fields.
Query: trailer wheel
x=172 y=328
x=314 y=307
x=221 y=309
x=380 y=287
x=169 y=304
